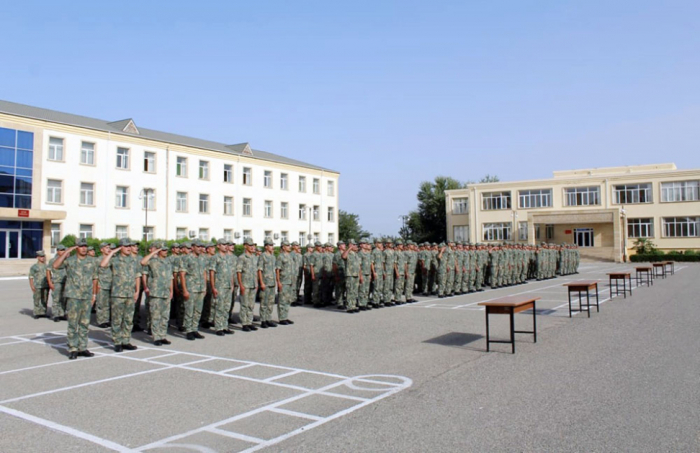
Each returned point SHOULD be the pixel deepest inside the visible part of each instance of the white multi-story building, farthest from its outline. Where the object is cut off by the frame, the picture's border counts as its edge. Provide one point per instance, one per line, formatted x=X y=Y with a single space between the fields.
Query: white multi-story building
x=68 y=174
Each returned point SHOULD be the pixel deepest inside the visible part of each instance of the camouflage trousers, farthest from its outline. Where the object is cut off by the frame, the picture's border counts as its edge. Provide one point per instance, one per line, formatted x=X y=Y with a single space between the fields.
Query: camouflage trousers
x=479 y=278
x=441 y=282
x=160 y=310
x=78 y=312
x=208 y=309
x=494 y=277
x=247 y=305
x=389 y=287
x=122 y=319
x=457 y=287
x=222 y=308
x=102 y=306
x=410 y=283
x=424 y=283
x=471 y=285
x=352 y=283
x=137 y=309
x=432 y=281
x=399 y=287
x=297 y=286
x=58 y=300
x=286 y=297
x=308 y=288
x=267 y=301
x=193 y=311
x=363 y=292
x=378 y=292
x=449 y=282
x=340 y=290
x=41 y=299
x=316 y=291
x=465 y=280
x=326 y=290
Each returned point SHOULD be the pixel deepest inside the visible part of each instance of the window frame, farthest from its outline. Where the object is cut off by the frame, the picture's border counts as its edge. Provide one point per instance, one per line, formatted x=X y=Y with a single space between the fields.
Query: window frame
x=54 y=190
x=638 y=224
x=116 y=231
x=127 y=197
x=302 y=182
x=86 y=151
x=631 y=191
x=496 y=231
x=496 y=201
x=62 y=149
x=203 y=170
x=81 y=203
x=284 y=181
x=583 y=192
x=247 y=176
x=228 y=174
x=146 y=161
x=455 y=203
x=229 y=204
x=302 y=211
x=691 y=225
x=124 y=157
x=316 y=213
x=316 y=186
x=330 y=214
x=284 y=210
x=682 y=192
x=535 y=198
x=177 y=201
x=268 y=206
x=80 y=231
x=267 y=179
x=205 y=201
x=330 y=188
x=180 y=166
x=247 y=203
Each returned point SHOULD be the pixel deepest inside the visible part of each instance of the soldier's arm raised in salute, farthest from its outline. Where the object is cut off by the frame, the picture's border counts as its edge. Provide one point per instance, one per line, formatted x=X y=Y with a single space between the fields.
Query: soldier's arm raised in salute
x=62 y=258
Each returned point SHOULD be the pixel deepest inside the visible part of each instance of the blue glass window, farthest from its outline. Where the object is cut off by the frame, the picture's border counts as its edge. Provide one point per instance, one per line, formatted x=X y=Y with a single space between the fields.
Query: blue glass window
x=23 y=202
x=33 y=226
x=6 y=200
x=7 y=156
x=31 y=243
x=7 y=184
x=23 y=172
x=7 y=137
x=23 y=186
x=10 y=224
x=25 y=140
x=24 y=158
x=7 y=171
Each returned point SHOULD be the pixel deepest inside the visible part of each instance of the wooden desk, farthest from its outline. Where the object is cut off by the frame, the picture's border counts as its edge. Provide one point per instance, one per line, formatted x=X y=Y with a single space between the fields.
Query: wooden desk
x=659 y=266
x=672 y=264
x=648 y=274
x=617 y=276
x=509 y=306
x=579 y=287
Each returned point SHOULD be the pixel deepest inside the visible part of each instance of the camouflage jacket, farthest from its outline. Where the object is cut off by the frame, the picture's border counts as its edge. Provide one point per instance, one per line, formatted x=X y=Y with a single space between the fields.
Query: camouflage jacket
x=266 y=265
x=352 y=263
x=80 y=274
x=160 y=276
x=125 y=271
x=221 y=265
x=286 y=264
x=193 y=267
x=57 y=275
x=365 y=262
x=412 y=261
x=378 y=261
x=247 y=266
x=38 y=273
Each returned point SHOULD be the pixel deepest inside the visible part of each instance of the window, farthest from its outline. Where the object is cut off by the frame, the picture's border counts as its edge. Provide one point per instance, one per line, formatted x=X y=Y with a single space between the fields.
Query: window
x=148 y=198
x=640 y=228
x=317 y=237
x=537 y=232
x=228 y=173
x=247 y=234
x=54 y=192
x=268 y=234
x=302 y=183
x=495 y=200
x=317 y=185
x=284 y=210
x=203 y=169
x=148 y=233
x=181 y=202
x=149 y=162
x=331 y=214
x=228 y=205
x=123 y=158
x=87 y=153
x=316 y=213
x=497 y=231
x=121 y=231
x=549 y=232
x=180 y=233
x=228 y=235
x=331 y=188
x=247 y=207
x=460 y=232
x=181 y=167
x=247 y=176
x=522 y=231
x=17 y=150
x=268 y=209
x=680 y=191
x=203 y=203
x=302 y=212
x=633 y=193
x=204 y=234
x=681 y=227
x=460 y=206
x=56 y=149
x=122 y=197
x=284 y=179
x=284 y=236
x=267 y=179
x=55 y=234
x=85 y=231
x=302 y=238
x=87 y=193
x=331 y=238
x=582 y=196
x=539 y=198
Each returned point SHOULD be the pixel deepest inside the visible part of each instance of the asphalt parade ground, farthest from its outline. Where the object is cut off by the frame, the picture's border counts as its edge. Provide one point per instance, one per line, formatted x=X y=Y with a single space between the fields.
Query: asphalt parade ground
x=411 y=378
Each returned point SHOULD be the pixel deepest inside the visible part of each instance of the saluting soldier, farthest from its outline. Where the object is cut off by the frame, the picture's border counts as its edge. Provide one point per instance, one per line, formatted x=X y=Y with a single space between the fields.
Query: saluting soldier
x=443 y=269
x=81 y=293
x=39 y=285
x=221 y=285
x=286 y=273
x=194 y=281
x=316 y=266
x=400 y=282
x=56 y=279
x=104 y=280
x=158 y=285
x=247 y=270
x=266 y=278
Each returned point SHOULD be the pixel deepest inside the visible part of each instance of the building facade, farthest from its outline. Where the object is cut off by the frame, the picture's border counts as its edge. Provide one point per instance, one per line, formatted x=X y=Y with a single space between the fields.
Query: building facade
x=67 y=174
x=604 y=211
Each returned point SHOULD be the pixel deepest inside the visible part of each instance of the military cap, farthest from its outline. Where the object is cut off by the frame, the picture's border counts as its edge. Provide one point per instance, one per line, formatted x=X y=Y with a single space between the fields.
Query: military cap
x=60 y=247
x=318 y=244
x=186 y=245
x=399 y=242
x=174 y=245
x=156 y=245
x=104 y=244
x=388 y=241
x=124 y=242
x=248 y=241
x=40 y=253
x=81 y=243
x=268 y=242
x=434 y=244
x=442 y=244
x=343 y=242
x=377 y=241
x=363 y=241
x=222 y=241
x=327 y=244
x=112 y=246
x=295 y=243
x=209 y=244
x=351 y=242
x=163 y=246
x=91 y=248
x=285 y=243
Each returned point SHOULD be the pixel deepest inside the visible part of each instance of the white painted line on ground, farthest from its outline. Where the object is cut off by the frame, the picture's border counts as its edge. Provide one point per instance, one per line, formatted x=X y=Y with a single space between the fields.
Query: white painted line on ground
x=274 y=378
x=20 y=277
x=97 y=356
x=66 y=429
x=247 y=365
x=243 y=437
x=295 y=414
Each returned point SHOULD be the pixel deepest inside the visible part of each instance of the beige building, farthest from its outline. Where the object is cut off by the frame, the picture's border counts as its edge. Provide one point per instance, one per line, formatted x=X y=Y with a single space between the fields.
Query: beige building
x=602 y=210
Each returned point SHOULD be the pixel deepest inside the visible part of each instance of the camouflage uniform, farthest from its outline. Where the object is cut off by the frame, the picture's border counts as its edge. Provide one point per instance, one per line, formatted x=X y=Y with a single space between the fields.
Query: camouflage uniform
x=266 y=266
x=306 y=263
x=125 y=271
x=104 y=279
x=411 y=263
x=220 y=264
x=233 y=263
x=288 y=272
x=339 y=265
x=352 y=276
x=366 y=271
x=389 y=275
x=297 y=260
x=327 y=282
x=160 y=279
x=377 y=258
x=316 y=261
x=194 y=267
x=400 y=282
x=442 y=271
x=37 y=273
x=58 y=298
x=247 y=267
x=80 y=274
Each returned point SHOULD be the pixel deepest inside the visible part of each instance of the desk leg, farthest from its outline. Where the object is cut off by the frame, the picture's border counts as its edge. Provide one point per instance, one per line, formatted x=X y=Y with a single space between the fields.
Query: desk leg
x=610 y=283
x=636 y=277
x=512 y=329
x=487 y=330
x=630 y=279
x=534 y=320
x=588 y=302
x=597 y=303
x=569 y=302
x=580 y=303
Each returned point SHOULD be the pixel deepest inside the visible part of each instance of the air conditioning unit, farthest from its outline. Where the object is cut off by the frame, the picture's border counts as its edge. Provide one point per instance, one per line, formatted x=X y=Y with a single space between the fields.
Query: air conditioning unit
x=237 y=234
x=277 y=236
x=192 y=234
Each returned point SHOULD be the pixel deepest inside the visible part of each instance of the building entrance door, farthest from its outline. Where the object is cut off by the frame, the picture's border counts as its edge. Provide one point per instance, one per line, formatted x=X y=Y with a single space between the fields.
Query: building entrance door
x=10 y=246
x=583 y=237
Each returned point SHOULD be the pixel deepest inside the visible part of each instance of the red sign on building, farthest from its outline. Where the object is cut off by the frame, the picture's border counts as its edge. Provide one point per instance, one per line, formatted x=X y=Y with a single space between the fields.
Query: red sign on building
x=567 y=231
x=23 y=213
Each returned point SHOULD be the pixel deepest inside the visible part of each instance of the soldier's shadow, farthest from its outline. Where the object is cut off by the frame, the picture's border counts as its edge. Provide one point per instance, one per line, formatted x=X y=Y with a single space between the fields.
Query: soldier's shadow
x=27 y=312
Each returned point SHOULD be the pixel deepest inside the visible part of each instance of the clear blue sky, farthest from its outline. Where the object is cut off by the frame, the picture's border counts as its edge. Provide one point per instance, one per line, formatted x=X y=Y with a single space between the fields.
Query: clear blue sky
x=389 y=93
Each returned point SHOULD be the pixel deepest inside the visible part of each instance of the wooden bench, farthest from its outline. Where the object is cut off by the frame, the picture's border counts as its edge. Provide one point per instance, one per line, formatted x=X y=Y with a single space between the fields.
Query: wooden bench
x=510 y=305
x=617 y=276
x=645 y=271
x=672 y=264
x=579 y=287
x=659 y=266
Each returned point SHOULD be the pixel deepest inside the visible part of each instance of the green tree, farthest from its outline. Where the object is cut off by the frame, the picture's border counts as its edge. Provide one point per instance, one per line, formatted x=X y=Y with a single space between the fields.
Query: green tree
x=349 y=227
